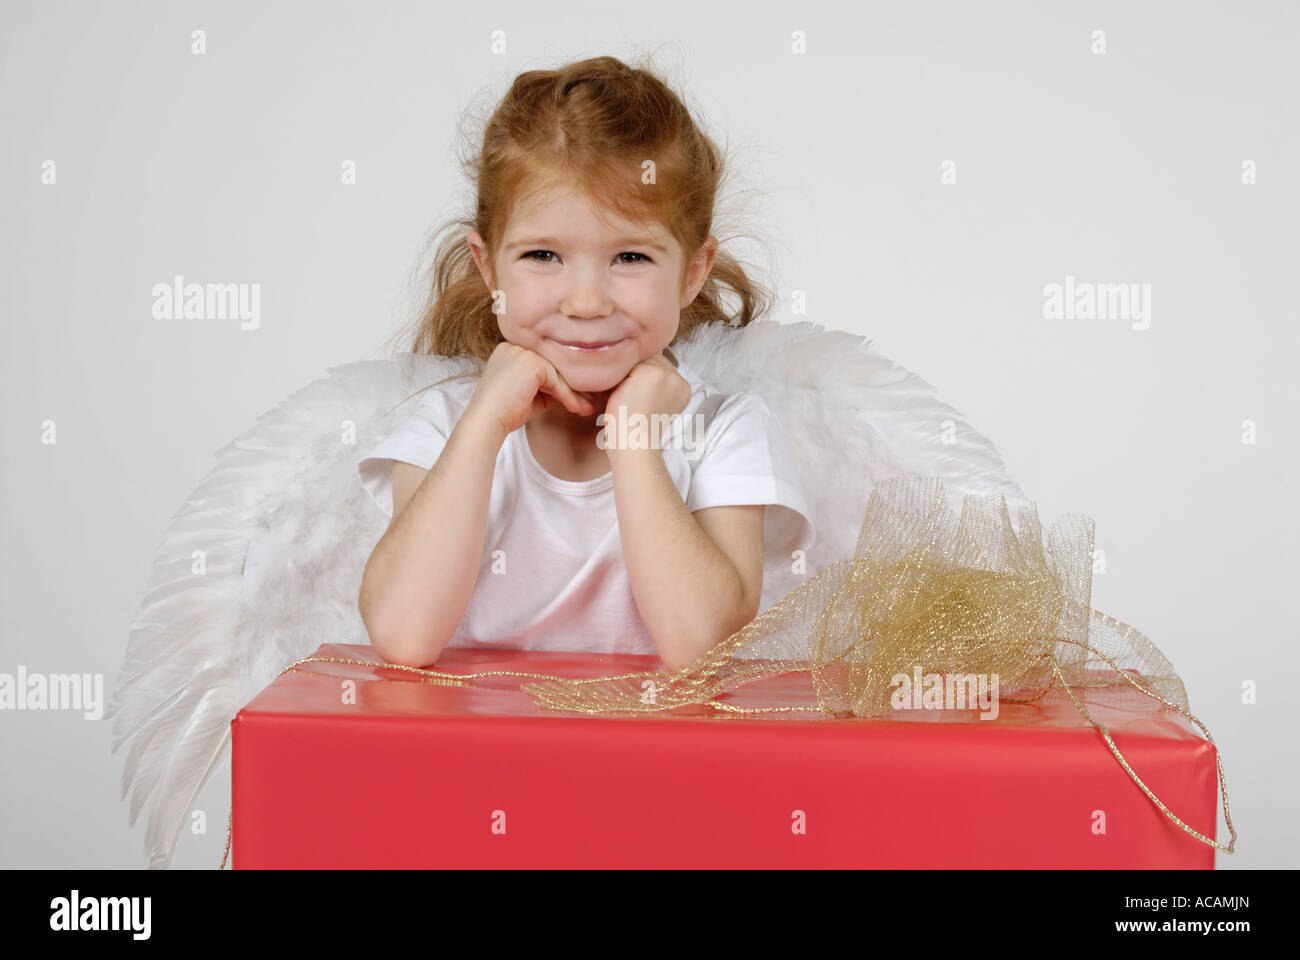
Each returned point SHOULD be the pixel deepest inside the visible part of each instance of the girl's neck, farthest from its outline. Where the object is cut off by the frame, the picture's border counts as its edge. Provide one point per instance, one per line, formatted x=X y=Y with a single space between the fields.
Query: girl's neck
x=564 y=445
x=560 y=420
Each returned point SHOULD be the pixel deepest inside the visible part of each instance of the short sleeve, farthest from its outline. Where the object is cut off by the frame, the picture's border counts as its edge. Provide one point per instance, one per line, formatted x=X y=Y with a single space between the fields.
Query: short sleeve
x=745 y=459
x=418 y=439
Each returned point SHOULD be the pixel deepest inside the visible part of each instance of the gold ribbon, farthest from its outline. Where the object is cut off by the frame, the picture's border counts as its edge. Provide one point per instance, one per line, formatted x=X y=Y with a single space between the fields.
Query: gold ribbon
x=926 y=590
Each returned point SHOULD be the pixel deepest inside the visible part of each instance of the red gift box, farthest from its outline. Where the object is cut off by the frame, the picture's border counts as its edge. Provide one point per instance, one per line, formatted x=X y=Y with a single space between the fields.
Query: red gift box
x=398 y=770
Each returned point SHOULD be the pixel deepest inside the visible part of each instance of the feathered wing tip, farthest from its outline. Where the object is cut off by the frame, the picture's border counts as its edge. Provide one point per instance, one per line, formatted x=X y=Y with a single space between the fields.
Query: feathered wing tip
x=283 y=501
x=853 y=418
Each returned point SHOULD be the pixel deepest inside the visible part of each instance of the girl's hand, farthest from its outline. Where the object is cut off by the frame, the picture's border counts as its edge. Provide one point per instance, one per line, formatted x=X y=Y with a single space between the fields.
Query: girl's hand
x=651 y=387
x=518 y=384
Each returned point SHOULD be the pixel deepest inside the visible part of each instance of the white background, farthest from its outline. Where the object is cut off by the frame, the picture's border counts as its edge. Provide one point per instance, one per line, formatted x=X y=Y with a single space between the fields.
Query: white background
x=1121 y=168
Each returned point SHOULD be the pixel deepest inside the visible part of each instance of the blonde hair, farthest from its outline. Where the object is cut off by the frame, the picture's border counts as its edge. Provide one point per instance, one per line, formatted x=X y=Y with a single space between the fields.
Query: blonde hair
x=590 y=125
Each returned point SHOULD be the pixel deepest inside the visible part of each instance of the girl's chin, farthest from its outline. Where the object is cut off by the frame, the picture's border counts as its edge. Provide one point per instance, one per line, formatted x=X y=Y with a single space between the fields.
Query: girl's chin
x=586 y=377
x=604 y=385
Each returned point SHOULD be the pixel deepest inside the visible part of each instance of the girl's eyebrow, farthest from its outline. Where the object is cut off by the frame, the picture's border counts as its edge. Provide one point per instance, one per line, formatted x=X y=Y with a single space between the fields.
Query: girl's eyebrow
x=633 y=241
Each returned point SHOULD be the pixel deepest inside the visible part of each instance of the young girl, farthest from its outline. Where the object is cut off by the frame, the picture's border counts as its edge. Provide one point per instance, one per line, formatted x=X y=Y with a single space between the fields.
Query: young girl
x=520 y=516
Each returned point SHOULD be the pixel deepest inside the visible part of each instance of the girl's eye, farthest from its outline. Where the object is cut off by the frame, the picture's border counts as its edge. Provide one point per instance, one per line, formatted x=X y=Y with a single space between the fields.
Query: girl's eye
x=531 y=254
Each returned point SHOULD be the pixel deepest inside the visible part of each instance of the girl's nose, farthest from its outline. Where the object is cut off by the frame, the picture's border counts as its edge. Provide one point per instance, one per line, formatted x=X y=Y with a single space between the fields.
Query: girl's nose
x=585 y=296
x=585 y=303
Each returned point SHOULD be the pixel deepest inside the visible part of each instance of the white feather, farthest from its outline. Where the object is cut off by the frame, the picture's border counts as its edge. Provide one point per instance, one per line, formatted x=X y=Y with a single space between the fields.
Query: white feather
x=285 y=529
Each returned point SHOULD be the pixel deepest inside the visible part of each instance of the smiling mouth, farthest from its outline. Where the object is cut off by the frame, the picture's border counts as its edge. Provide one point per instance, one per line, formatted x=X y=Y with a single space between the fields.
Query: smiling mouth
x=594 y=346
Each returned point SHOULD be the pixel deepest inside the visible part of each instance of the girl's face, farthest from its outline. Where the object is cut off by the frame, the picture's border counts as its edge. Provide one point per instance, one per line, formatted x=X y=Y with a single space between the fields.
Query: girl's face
x=592 y=299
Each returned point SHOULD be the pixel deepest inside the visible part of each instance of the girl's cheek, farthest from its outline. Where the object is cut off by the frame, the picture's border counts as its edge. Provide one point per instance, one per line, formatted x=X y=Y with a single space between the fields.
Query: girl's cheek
x=525 y=302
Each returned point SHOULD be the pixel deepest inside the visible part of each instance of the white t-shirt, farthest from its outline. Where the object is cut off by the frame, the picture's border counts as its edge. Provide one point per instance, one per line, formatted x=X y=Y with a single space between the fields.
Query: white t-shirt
x=561 y=582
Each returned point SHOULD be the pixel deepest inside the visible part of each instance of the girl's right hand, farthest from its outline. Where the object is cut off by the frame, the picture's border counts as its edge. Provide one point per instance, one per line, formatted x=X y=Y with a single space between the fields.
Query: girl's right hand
x=518 y=384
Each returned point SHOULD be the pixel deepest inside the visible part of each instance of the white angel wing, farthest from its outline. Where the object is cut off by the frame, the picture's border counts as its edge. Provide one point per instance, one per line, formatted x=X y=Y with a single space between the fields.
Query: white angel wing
x=263 y=562
x=853 y=418
x=260 y=566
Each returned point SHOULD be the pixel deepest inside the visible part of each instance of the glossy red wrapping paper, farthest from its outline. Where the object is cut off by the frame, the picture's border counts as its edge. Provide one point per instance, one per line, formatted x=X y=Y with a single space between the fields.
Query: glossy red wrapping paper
x=416 y=774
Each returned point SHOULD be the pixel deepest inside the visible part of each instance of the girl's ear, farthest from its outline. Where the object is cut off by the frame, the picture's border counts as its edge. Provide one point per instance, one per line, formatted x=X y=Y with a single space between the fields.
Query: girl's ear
x=479 y=249
x=697 y=271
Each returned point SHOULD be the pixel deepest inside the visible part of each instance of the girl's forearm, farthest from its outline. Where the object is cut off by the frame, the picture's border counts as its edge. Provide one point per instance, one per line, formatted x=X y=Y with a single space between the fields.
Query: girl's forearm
x=421 y=575
x=688 y=592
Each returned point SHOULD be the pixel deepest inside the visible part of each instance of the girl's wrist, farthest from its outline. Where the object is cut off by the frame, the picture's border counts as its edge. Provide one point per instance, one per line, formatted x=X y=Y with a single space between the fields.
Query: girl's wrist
x=483 y=428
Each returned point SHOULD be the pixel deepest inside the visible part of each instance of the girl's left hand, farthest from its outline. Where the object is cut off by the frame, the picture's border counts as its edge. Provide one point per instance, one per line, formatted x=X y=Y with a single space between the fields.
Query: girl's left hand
x=652 y=386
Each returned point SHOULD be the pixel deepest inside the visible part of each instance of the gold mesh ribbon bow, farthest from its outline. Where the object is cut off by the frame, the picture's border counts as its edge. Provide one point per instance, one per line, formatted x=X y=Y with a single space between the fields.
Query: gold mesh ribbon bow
x=951 y=595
